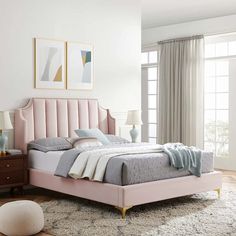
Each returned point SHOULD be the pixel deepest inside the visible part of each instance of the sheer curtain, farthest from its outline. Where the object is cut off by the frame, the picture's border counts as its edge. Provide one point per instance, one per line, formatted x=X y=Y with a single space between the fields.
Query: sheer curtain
x=181 y=91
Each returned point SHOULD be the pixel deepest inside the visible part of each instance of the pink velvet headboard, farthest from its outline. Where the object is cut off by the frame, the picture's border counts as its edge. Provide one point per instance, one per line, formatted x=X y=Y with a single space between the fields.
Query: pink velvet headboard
x=49 y=117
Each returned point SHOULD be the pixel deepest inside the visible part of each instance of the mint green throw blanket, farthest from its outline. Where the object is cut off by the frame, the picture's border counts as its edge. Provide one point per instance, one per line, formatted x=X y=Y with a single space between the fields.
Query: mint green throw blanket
x=184 y=158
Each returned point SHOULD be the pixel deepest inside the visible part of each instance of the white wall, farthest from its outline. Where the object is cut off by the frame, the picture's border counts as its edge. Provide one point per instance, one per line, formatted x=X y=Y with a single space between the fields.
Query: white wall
x=217 y=25
x=114 y=29
x=112 y=26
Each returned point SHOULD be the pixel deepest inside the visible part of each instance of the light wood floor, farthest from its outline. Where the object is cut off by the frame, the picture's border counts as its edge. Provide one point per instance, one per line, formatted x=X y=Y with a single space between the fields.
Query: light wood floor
x=229 y=177
x=39 y=195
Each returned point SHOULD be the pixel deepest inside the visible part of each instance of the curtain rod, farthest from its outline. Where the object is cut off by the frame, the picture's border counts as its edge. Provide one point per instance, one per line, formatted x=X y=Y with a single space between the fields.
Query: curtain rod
x=206 y=35
x=181 y=39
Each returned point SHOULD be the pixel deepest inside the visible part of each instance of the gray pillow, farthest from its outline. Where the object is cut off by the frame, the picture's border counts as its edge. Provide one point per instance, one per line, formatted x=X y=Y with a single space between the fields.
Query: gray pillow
x=50 y=144
x=116 y=139
x=96 y=133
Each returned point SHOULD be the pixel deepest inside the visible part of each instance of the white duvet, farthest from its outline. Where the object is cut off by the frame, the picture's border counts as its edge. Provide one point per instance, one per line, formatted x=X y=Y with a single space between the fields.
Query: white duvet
x=92 y=164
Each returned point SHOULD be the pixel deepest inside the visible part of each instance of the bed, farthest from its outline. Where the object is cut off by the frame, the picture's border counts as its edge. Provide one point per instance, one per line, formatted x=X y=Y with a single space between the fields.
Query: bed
x=42 y=118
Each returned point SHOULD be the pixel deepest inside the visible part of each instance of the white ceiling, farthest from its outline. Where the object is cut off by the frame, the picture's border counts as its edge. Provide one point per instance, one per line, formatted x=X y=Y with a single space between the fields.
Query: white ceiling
x=166 y=12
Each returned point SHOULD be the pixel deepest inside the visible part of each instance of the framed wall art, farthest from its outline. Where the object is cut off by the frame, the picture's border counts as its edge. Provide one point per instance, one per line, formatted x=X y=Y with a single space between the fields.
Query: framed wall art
x=50 y=64
x=80 y=63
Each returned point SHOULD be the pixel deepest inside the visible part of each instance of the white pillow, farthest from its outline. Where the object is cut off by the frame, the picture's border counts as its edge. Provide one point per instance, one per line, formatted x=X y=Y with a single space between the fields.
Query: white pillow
x=84 y=142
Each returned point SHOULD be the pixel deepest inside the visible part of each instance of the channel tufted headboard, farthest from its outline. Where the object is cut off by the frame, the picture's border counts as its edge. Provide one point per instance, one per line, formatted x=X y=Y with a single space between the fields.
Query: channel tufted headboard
x=50 y=117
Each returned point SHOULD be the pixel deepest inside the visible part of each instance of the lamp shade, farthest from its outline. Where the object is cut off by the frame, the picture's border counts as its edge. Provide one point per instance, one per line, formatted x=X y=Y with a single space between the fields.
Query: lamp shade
x=5 y=121
x=134 y=118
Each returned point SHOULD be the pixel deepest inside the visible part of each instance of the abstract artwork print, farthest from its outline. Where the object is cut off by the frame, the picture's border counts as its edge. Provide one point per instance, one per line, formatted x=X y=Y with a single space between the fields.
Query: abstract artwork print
x=79 y=66
x=49 y=64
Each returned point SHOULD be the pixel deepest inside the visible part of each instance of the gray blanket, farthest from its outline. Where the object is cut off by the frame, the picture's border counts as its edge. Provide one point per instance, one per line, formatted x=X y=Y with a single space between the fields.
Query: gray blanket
x=67 y=160
x=184 y=158
x=180 y=157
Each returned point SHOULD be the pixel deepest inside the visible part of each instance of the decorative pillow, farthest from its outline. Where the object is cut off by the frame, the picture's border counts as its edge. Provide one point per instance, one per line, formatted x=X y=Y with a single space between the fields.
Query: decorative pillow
x=50 y=144
x=116 y=139
x=84 y=142
x=96 y=133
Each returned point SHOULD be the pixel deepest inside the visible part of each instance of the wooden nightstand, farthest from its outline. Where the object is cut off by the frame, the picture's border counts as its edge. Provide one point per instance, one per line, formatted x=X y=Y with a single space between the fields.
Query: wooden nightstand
x=13 y=171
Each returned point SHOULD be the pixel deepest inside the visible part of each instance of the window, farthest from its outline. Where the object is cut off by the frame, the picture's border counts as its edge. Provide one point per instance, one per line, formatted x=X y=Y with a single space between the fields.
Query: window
x=149 y=95
x=220 y=58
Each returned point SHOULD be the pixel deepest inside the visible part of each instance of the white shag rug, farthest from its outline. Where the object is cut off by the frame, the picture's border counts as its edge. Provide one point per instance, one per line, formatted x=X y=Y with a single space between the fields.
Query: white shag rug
x=200 y=214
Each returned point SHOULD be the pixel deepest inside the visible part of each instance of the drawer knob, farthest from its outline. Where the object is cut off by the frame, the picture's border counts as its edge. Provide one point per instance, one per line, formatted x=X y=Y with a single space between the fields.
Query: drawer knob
x=8 y=177
x=7 y=165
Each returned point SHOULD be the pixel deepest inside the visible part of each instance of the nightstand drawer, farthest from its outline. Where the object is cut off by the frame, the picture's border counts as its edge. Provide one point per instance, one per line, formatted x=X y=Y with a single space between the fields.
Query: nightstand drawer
x=11 y=177
x=10 y=165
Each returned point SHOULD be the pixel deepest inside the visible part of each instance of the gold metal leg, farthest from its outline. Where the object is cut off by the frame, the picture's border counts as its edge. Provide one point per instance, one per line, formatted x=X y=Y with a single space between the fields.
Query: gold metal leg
x=218 y=190
x=123 y=210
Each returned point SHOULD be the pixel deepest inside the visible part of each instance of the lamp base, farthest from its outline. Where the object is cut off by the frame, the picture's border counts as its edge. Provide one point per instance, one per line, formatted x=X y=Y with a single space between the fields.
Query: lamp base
x=134 y=134
x=3 y=142
x=3 y=154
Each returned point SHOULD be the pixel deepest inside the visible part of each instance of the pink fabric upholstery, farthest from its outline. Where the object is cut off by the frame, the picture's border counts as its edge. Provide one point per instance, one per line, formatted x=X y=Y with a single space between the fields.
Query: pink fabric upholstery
x=131 y=195
x=101 y=192
x=171 y=188
x=59 y=118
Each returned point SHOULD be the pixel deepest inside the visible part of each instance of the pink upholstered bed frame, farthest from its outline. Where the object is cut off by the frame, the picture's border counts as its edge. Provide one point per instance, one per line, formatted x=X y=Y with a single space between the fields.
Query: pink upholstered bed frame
x=42 y=118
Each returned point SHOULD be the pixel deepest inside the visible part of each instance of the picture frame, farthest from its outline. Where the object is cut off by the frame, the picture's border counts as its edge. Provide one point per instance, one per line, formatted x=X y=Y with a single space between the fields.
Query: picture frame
x=49 y=64
x=80 y=66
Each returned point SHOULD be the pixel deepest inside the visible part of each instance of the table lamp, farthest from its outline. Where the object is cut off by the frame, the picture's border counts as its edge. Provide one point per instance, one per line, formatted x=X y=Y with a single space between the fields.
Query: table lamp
x=5 y=124
x=134 y=118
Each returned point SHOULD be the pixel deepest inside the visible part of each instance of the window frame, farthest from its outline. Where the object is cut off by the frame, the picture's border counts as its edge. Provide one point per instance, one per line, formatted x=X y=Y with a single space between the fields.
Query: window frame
x=215 y=124
x=145 y=97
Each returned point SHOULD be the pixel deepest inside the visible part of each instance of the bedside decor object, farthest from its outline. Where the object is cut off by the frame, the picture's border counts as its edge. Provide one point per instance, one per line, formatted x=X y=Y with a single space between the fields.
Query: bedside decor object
x=79 y=66
x=13 y=151
x=50 y=64
x=21 y=218
x=134 y=118
x=5 y=124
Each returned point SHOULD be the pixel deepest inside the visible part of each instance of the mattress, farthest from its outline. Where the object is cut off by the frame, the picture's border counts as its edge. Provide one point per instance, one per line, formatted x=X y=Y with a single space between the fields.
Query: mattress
x=44 y=161
x=134 y=169
x=125 y=169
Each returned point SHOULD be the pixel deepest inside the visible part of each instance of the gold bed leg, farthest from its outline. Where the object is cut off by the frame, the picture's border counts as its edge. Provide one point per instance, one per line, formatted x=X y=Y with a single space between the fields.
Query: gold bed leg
x=218 y=190
x=123 y=210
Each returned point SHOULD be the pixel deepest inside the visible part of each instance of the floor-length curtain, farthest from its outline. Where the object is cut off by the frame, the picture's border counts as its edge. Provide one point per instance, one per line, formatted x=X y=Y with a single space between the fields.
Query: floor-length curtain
x=181 y=91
